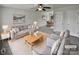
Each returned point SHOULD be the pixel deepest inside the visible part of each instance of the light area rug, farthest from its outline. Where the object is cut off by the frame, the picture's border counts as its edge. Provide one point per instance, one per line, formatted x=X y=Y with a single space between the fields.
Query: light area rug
x=19 y=47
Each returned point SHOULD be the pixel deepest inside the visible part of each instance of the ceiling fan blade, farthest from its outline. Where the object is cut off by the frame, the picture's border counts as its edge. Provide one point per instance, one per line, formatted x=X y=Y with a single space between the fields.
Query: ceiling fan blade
x=36 y=10
x=47 y=7
x=40 y=4
x=44 y=9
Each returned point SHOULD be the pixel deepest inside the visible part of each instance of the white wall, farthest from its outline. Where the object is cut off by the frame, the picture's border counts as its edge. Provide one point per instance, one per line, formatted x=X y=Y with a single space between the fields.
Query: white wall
x=67 y=18
x=7 y=15
x=58 y=21
x=38 y=17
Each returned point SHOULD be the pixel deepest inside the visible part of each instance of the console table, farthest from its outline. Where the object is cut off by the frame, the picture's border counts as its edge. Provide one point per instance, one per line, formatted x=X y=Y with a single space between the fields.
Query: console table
x=72 y=47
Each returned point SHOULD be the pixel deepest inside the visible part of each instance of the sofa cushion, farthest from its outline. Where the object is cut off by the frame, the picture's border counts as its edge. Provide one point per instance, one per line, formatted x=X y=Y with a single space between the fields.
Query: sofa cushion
x=54 y=36
x=49 y=42
x=21 y=34
x=55 y=47
x=51 y=39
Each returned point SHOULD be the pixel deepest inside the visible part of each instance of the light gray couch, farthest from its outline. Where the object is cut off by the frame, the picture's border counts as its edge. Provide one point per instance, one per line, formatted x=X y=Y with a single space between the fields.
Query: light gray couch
x=19 y=31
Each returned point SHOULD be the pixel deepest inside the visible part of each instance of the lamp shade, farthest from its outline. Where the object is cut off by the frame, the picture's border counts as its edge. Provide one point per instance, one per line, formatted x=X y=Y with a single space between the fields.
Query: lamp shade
x=35 y=22
x=5 y=27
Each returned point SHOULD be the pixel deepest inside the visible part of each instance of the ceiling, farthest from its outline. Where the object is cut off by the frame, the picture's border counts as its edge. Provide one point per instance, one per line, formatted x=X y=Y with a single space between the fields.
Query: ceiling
x=33 y=6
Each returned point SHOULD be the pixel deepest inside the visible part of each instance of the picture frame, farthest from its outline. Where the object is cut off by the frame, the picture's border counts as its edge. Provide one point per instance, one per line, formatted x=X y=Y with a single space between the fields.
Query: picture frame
x=18 y=19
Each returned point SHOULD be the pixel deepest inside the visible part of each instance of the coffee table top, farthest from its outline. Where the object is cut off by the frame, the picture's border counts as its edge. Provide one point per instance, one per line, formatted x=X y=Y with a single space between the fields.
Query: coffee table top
x=33 y=38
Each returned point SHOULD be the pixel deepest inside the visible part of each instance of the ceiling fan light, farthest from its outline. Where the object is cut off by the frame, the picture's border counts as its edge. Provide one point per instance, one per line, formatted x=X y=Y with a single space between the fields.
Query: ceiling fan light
x=39 y=9
x=40 y=6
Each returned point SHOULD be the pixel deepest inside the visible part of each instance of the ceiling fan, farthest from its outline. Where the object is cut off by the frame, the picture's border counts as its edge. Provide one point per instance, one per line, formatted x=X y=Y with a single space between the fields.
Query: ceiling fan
x=41 y=7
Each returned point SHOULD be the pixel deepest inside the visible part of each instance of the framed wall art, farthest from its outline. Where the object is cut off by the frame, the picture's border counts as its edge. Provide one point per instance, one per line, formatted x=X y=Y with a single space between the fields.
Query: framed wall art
x=18 y=19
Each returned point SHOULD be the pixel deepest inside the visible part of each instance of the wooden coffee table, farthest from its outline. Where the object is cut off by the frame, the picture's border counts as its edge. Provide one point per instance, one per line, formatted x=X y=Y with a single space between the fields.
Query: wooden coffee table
x=31 y=39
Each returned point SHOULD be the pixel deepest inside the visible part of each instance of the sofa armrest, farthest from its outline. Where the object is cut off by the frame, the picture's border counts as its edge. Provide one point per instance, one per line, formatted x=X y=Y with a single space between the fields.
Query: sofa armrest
x=61 y=48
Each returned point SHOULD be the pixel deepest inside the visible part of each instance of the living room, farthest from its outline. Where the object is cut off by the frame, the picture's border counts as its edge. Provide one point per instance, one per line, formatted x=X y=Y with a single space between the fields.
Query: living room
x=22 y=20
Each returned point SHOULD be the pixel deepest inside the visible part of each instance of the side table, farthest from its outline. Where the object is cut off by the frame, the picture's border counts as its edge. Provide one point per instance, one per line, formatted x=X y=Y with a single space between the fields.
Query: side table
x=4 y=36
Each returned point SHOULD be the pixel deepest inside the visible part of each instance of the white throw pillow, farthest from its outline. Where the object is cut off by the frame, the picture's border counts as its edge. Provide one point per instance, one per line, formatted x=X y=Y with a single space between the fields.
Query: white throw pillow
x=15 y=30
